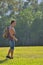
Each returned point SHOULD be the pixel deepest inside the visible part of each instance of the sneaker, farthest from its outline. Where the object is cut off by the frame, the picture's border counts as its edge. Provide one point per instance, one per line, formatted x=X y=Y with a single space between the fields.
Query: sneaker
x=11 y=57
x=7 y=56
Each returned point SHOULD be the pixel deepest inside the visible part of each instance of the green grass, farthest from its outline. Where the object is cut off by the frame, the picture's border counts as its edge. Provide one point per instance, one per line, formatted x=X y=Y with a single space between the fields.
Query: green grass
x=23 y=56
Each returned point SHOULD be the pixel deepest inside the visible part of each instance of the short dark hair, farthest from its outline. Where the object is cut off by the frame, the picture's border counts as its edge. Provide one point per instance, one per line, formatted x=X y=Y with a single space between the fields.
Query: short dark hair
x=13 y=21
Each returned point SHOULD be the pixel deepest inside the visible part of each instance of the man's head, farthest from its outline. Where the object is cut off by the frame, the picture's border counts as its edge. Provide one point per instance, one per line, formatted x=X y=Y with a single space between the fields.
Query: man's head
x=13 y=23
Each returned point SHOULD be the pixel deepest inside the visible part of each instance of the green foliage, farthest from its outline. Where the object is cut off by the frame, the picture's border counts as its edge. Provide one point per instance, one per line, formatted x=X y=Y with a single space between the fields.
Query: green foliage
x=29 y=26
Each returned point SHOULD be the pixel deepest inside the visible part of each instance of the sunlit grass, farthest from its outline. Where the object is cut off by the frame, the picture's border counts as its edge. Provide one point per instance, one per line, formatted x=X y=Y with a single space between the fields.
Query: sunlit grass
x=23 y=56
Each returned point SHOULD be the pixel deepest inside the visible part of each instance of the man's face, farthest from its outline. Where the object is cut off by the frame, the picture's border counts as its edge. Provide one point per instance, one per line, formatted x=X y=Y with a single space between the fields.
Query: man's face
x=14 y=24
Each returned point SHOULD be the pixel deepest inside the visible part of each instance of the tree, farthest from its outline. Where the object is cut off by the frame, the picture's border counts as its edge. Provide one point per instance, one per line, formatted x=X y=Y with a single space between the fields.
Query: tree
x=29 y=17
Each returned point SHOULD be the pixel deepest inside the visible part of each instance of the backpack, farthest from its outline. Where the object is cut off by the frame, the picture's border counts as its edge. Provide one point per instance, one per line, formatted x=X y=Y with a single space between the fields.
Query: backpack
x=6 y=33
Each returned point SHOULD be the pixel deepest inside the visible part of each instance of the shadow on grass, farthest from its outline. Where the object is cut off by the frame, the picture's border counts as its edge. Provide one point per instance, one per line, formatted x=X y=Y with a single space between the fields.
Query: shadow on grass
x=2 y=61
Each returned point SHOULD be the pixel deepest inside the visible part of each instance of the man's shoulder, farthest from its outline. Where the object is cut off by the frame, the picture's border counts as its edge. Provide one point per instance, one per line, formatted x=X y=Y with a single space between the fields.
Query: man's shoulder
x=11 y=28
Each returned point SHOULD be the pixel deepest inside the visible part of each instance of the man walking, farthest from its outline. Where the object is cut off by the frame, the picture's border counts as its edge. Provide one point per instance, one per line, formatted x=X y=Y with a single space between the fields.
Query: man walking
x=12 y=39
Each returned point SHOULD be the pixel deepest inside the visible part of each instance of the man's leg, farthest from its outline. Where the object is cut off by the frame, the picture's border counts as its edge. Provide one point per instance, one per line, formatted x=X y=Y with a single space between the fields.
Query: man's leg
x=8 y=55
x=9 y=52
x=12 y=51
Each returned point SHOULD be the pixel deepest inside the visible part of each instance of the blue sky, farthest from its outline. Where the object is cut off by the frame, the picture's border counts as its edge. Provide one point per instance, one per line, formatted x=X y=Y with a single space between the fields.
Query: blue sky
x=39 y=1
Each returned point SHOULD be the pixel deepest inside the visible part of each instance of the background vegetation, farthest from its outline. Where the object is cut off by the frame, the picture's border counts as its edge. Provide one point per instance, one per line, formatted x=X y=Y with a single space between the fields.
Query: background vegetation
x=29 y=17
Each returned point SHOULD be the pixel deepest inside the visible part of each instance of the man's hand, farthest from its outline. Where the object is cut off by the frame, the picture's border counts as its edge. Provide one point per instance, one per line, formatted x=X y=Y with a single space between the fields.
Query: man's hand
x=16 y=39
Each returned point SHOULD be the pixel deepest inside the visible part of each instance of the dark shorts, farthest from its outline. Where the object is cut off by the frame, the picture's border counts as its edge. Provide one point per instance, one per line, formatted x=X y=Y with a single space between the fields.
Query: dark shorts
x=12 y=44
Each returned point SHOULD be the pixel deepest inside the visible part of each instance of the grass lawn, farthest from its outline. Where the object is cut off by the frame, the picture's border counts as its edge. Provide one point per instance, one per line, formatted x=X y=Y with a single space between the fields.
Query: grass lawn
x=23 y=56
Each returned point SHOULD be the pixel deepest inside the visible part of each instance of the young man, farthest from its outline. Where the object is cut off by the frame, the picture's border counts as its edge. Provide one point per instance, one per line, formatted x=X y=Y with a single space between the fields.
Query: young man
x=12 y=39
